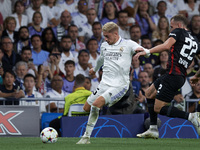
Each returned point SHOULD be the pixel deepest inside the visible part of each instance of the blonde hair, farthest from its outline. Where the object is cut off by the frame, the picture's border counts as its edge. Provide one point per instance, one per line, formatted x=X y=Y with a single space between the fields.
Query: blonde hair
x=7 y=20
x=110 y=27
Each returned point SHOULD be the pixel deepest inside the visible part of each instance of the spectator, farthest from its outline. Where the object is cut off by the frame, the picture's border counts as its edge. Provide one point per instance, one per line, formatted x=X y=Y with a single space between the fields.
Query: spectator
x=9 y=90
x=44 y=10
x=122 y=18
x=21 y=19
x=83 y=67
x=21 y=70
x=73 y=33
x=109 y=13
x=161 y=68
x=146 y=43
x=23 y=40
x=69 y=5
x=10 y=58
x=192 y=8
x=149 y=69
x=6 y=9
x=85 y=32
x=87 y=85
x=69 y=79
x=136 y=68
x=26 y=3
x=26 y=55
x=195 y=26
x=62 y=28
x=122 y=4
x=67 y=53
x=36 y=28
x=38 y=55
x=56 y=11
x=79 y=18
x=79 y=96
x=43 y=81
x=1 y=66
x=48 y=39
x=161 y=7
x=194 y=94
x=135 y=33
x=54 y=59
x=29 y=91
x=130 y=11
x=92 y=46
x=175 y=7
x=162 y=31
x=56 y=92
x=97 y=34
x=146 y=22
x=144 y=82
x=157 y=42
x=10 y=24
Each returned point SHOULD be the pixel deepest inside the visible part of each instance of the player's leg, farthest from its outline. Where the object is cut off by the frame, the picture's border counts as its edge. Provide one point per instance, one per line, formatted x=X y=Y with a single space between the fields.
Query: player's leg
x=94 y=103
x=170 y=111
x=165 y=94
x=150 y=94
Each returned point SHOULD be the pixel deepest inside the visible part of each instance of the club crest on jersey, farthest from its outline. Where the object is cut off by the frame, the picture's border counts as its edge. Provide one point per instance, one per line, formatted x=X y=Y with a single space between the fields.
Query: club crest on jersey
x=121 y=49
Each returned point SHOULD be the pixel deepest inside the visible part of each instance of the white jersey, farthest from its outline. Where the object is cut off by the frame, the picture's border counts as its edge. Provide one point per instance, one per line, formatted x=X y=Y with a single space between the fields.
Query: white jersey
x=116 y=60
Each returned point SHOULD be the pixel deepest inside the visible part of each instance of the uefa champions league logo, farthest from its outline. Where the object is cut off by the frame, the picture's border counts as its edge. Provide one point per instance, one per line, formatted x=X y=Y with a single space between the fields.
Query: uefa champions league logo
x=105 y=124
x=169 y=127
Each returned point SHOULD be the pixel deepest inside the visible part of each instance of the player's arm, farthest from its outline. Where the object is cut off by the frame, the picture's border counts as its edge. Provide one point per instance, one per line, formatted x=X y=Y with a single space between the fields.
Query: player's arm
x=165 y=46
x=99 y=62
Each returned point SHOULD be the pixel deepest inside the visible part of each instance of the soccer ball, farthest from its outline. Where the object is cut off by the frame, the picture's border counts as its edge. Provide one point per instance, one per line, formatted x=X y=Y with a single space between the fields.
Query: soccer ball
x=49 y=135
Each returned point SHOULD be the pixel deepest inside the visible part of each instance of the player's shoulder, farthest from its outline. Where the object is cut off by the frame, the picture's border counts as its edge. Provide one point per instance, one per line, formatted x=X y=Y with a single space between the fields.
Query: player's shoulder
x=104 y=44
x=128 y=42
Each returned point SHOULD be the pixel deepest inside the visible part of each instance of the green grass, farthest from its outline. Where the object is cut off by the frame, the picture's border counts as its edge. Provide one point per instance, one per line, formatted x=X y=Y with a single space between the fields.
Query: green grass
x=19 y=143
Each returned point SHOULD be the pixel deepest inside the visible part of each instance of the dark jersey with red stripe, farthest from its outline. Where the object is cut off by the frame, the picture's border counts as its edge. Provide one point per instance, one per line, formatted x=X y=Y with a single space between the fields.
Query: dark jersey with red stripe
x=182 y=52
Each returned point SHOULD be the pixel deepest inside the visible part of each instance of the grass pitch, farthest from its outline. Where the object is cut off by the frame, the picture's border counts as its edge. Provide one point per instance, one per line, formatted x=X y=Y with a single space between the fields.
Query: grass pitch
x=19 y=143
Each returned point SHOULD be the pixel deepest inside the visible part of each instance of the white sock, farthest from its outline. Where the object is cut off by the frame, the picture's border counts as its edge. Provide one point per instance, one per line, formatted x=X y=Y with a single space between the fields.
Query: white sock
x=153 y=127
x=94 y=114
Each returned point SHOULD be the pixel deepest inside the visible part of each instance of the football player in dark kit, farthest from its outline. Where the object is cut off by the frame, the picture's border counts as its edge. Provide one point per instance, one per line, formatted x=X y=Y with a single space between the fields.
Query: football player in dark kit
x=183 y=47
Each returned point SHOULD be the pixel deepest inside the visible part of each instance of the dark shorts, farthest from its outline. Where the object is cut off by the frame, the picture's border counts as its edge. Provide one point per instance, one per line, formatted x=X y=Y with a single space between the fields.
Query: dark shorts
x=167 y=86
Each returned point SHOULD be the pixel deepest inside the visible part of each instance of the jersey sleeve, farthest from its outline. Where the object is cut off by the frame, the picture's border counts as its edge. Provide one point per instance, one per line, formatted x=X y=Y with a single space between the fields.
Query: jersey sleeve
x=100 y=60
x=133 y=46
x=175 y=34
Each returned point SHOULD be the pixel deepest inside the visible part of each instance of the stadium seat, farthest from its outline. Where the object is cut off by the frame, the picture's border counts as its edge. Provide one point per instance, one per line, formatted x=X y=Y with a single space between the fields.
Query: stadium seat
x=76 y=109
x=47 y=118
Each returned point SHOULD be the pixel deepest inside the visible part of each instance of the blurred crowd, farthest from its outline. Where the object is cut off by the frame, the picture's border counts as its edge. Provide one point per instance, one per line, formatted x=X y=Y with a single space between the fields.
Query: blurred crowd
x=45 y=44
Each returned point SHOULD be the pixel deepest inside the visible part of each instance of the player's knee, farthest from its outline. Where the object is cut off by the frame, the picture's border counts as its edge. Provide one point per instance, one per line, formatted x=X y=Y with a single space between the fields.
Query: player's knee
x=96 y=104
x=157 y=109
x=86 y=108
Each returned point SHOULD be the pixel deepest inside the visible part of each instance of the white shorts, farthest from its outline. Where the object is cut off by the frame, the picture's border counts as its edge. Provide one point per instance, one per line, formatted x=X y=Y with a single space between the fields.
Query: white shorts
x=109 y=93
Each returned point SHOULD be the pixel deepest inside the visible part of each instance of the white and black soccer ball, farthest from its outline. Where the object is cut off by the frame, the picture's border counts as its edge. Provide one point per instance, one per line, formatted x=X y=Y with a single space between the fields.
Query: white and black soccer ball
x=49 y=135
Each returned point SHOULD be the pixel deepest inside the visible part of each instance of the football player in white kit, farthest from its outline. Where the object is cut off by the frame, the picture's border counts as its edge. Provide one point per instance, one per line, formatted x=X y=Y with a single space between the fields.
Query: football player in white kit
x=115 y=56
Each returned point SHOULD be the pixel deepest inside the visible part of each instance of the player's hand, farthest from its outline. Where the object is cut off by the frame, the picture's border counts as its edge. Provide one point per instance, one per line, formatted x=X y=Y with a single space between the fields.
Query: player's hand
x=139 y=54
x=92 y=72
x=194 y=80
x=139 y=49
